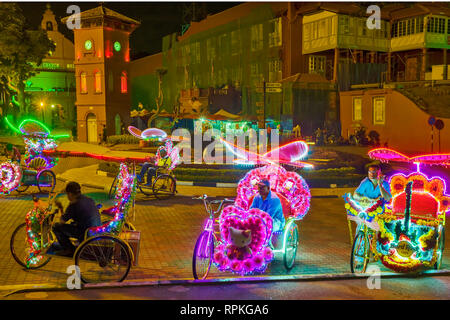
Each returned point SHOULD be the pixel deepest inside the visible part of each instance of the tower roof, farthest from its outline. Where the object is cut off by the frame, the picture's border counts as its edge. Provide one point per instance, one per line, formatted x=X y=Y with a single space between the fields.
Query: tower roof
x=102 y=12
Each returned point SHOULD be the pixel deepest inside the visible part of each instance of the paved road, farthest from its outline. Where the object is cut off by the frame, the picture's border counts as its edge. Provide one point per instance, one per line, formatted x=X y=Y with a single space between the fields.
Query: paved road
x=169 y=231
x=430 y=288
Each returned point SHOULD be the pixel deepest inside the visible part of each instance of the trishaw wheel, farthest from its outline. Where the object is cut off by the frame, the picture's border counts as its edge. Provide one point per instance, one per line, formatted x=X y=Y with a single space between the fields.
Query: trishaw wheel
x=146 y=190
x=103 y=259
x=290 y=246
x=164 y=186
x=440 y=249
x=20 y=249
x=113 y=189
x=359 y=257
x=22 y=188
x=46 y=181
x=203 y=255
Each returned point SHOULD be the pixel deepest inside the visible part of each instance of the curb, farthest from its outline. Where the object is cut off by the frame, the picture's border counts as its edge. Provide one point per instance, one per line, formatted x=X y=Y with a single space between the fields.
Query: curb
x=195 y=184
x=320 y=277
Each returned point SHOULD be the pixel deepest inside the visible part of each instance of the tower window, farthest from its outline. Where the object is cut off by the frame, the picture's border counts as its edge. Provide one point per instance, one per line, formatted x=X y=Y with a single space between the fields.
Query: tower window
x=83 y=82
x=49 y=26
x=98 y=82
x=123 y=82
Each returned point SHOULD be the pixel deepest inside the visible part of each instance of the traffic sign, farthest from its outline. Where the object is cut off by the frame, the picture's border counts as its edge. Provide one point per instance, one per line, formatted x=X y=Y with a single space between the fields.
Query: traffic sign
x=273 y=85
x=273 y=90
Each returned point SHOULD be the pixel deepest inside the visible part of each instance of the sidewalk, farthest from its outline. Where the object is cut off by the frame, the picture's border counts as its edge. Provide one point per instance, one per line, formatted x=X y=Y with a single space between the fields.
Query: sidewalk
x=88 y=177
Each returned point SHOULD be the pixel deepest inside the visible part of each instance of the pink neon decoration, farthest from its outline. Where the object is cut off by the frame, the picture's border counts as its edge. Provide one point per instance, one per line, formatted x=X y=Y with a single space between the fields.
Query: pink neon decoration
x=149 y=133
x=153 y=133
x=260 y=224
x=385 y=154
x=428 y=195
x=289 y=185
x=172 y=152
x=10 y=177
x=289 y=153
x=135 y=132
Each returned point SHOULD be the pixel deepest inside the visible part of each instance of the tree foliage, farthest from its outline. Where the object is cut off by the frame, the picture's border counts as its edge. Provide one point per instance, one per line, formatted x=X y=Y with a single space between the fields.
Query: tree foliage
x=21 y=49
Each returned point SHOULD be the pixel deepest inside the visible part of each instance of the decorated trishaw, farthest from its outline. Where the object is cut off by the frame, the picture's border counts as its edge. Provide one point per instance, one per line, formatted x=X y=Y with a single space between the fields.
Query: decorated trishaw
x=104 y=254
x=407 y=234
x=241 y=240
x=37 y=170
x=164 y=183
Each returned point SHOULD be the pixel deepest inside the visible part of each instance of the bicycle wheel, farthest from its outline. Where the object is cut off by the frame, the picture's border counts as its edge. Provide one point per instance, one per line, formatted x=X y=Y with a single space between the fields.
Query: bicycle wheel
x=290 y=247
x=22 y=188
x=103 y=259
x=113 y=189
x=440 y=249
x=46 y=181
x=20 y=249
x=164 y=186
x=203 y=255
x=359 y=256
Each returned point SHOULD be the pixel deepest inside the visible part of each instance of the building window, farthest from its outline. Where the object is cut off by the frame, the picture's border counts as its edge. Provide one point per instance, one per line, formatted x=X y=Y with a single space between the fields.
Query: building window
x=257 y=37
x=448 y=26
x=83 y=82
x=357 y=109
x=49 y=26
x=275 y=72
x=436 y=25
x=378 y=110
x=98 y=82
x=275 y=28
x=344 y=25
x=123 y=82
x=317 y=64
x=235 y=42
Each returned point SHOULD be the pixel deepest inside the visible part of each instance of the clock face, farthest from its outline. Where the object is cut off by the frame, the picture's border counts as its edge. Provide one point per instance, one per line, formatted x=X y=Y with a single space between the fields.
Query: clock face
x=88 y=44
x=117 y=46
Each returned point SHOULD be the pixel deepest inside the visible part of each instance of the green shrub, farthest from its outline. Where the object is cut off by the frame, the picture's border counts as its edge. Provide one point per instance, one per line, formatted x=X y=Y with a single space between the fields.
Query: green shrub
x=122 y=139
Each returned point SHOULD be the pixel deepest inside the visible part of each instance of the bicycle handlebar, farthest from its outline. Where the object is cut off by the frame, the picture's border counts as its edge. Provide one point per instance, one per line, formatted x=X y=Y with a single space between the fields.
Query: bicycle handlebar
x=210 y=202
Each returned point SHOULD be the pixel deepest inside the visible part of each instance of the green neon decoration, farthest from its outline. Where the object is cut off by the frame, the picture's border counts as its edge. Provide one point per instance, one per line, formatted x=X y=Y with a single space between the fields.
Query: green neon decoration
x=35 y=121
x=12 y=126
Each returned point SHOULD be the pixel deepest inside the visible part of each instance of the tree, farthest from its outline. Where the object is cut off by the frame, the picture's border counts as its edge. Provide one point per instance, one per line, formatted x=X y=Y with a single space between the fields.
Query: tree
x=159 y=100
x=21 y=49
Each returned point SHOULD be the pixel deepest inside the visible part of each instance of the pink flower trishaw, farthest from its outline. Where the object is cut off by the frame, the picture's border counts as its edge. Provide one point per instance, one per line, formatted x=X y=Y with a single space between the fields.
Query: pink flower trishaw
x=407 y=234
x=240 y=240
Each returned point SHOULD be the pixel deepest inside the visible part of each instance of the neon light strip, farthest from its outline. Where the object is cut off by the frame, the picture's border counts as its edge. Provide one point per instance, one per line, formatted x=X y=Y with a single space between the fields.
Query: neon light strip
x=12 y=126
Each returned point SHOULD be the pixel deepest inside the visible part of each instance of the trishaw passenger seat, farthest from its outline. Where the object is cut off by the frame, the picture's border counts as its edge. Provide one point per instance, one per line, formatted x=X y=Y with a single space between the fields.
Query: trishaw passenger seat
x=422 y=205
x=284 y=204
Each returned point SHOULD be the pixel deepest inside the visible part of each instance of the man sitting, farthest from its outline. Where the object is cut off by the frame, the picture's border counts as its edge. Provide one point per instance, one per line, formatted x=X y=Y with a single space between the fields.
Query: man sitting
x=373 y=186
x=164 y=160
x=269 y=202
x=84 y=213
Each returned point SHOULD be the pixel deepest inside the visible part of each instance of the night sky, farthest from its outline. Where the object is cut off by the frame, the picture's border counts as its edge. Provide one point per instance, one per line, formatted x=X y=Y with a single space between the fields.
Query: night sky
x=158 y=19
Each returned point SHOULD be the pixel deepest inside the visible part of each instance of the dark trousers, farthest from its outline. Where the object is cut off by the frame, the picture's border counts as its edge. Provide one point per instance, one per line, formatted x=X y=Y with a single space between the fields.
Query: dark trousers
x=151 y=172
x=64 y=231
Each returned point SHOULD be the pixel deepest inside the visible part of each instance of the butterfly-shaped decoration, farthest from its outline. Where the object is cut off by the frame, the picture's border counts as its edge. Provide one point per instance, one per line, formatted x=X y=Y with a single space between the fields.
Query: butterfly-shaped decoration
x=290 y=153
x=148 y=134
x=385 y=155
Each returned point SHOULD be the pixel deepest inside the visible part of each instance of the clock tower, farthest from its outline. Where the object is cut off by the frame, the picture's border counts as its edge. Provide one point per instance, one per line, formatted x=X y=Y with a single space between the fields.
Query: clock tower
x=102 y=56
